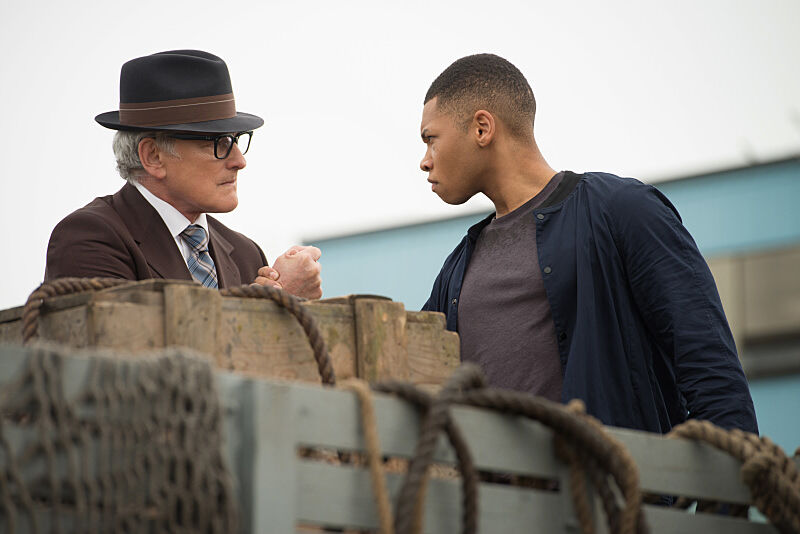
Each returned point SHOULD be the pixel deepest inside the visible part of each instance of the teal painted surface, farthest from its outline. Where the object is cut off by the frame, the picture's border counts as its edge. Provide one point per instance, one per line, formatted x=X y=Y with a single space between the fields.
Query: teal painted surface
x=728 y=212
x=399 y=263
x=777 y=402
x=742 y=210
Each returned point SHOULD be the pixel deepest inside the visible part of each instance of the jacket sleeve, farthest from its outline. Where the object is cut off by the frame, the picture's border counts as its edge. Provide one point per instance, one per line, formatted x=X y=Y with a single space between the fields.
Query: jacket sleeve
x=84 y=245
x=676 y=295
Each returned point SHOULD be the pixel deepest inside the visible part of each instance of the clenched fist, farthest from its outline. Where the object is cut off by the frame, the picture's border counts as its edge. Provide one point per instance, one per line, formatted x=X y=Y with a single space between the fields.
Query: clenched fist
x=296 y=271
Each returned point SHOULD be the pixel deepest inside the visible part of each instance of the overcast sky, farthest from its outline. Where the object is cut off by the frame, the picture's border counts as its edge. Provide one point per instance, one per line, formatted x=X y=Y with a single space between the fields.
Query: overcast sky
x=646 y=89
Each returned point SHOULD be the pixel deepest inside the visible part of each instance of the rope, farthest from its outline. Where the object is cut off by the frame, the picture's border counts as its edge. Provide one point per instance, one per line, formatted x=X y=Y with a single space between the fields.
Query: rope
x=57 y=288
x=68 y=286
x=306 y=320
x=580 y=440
x=377 y=475
x=589 y=439
x=772 y=477
x=409 y=509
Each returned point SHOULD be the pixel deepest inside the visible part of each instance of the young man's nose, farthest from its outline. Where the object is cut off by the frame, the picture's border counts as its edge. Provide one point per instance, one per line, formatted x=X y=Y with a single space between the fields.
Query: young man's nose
x=426 y=164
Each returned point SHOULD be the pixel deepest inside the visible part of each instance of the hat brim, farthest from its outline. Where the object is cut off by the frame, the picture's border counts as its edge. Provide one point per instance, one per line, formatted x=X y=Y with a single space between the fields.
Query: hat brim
x=242 y=122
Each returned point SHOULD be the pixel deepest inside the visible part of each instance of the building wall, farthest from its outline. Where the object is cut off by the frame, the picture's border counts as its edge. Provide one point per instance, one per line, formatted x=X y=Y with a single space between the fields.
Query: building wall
x=745 y=221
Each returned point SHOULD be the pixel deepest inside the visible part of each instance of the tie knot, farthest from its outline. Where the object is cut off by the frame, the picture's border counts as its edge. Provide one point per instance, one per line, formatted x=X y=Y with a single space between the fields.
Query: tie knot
x=196 y=236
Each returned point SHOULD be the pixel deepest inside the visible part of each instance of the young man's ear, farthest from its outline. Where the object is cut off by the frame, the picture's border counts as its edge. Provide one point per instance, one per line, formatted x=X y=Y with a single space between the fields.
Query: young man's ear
x=484 y=126
x=152 y=158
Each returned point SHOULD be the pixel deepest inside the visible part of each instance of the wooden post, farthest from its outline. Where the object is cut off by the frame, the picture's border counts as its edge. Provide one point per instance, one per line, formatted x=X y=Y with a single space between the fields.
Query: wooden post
x=381 y=340
x=191 y=319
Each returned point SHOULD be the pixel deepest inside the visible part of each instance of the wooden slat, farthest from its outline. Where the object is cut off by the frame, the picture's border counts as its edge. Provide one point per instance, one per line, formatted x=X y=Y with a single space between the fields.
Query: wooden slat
x=266 y=421
x=342 y=496
x=516 y=445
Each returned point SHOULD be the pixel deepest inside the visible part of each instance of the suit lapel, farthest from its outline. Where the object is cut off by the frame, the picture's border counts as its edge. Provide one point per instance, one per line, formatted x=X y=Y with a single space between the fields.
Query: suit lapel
x=151 y=234
x=221 y=250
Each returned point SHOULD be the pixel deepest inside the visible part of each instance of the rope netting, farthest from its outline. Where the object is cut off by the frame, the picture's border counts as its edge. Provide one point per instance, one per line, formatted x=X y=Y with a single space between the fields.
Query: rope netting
x=137 y=449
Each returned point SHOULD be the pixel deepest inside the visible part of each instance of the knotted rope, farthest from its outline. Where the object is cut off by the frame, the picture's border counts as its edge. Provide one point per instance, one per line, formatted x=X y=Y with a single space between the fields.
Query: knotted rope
x=772 y=477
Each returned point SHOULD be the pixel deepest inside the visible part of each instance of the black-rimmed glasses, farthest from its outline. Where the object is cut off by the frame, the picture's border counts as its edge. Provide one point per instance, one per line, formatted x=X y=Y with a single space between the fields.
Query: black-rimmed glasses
x=223 y=144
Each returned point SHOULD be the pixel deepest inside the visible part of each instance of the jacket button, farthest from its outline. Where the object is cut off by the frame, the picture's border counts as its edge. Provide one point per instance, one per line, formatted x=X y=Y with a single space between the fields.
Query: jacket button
x=454 y=302
x=548 y=270
x=539 y=216
x=562 y=336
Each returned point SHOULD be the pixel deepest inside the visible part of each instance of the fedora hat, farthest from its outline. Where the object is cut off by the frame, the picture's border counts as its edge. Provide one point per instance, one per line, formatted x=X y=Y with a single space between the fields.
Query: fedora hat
x=179 y=90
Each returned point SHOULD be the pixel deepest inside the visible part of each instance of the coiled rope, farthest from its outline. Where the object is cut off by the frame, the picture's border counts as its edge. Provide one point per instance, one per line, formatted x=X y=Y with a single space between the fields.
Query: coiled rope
x=580 y=440
x=772 y=477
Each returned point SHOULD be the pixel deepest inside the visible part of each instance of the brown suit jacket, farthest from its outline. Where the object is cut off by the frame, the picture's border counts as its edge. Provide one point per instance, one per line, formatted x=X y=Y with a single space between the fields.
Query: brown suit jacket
x=123 y=236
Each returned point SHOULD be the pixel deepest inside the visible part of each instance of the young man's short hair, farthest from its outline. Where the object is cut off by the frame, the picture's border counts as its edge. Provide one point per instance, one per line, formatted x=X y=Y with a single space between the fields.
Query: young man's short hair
x=485 y=81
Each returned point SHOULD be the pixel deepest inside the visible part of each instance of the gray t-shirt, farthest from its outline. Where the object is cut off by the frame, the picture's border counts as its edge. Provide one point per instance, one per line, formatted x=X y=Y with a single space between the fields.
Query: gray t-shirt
x=504 y=316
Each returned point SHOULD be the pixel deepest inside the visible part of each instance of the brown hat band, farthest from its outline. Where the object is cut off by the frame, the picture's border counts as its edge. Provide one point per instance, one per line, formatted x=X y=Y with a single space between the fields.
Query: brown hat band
x=186 y=110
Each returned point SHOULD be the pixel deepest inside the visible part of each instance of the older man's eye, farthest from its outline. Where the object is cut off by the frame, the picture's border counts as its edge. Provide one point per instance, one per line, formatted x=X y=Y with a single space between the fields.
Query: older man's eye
x=224 y=143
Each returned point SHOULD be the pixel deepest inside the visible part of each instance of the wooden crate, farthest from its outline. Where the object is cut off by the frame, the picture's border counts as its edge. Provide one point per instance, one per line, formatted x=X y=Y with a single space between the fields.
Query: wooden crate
x=281 y=492
x=367 y=336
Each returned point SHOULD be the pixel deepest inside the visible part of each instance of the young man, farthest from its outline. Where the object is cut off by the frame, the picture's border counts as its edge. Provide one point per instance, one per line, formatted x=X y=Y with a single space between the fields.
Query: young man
x=180 y=144
x=579 y=285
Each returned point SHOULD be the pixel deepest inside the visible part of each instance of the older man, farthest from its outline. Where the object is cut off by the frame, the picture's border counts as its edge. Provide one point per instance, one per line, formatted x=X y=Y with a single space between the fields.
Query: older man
x=180 y=144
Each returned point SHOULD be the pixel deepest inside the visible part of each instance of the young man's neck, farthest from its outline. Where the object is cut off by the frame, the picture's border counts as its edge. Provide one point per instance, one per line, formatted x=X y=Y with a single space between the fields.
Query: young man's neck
x=521 y=174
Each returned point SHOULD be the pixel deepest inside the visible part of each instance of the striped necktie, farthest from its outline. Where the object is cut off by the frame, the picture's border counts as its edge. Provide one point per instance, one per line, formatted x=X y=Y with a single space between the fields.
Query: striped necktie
x=199 y=261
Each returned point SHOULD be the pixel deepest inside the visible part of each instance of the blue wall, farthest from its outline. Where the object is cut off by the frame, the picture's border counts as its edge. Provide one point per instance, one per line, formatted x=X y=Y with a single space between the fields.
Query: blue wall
x=777 y=402
x=733 y=211
x=742 y=210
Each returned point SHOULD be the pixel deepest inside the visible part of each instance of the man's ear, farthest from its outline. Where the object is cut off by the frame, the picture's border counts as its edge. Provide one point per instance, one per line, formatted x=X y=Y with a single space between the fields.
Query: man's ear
x=484 y=127
x=152 y=158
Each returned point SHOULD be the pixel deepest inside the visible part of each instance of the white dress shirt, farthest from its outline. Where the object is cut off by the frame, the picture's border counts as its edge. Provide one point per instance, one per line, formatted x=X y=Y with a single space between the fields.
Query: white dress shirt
x=175 y=221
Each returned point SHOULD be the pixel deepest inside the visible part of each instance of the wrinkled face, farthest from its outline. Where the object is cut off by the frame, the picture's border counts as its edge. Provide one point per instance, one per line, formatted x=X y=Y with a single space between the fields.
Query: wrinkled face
x=451 y=158
x=196 y=182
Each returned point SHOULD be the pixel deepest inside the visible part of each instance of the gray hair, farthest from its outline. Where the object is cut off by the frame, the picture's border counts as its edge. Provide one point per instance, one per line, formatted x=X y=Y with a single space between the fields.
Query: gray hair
x=126 y=150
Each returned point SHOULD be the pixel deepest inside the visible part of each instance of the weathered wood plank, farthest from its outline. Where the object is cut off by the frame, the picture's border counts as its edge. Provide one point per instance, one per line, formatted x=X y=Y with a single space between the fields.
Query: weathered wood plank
x=381 y=341
x=10 y=314
x=124 y=326
x=262 y=339
x=433 y=352
x=342 y=496
x=252 y=336
x=517 y=445
x=192 y=317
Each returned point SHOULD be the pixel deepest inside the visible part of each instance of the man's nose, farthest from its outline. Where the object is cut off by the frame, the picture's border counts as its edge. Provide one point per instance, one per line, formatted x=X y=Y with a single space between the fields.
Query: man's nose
x=235 y=159
x=426 y=164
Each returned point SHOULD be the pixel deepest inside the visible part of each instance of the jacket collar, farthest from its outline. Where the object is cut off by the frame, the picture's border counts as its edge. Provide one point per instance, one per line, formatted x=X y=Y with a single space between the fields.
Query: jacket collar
x=151 y=234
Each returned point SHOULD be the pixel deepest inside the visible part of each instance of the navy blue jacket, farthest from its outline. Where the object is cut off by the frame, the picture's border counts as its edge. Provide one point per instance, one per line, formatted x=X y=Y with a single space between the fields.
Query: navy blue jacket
x=642 y=336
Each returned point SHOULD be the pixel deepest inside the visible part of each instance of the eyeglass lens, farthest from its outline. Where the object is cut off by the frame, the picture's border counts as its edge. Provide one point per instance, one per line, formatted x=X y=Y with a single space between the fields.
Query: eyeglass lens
x=224 y=143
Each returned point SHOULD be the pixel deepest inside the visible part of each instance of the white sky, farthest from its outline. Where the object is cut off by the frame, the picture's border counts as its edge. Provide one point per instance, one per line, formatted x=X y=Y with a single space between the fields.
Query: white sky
x=646 y=89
